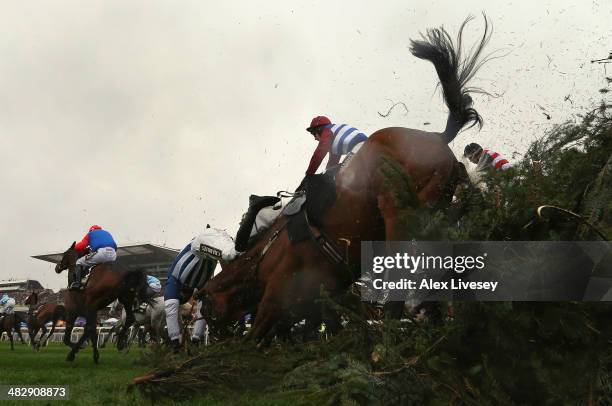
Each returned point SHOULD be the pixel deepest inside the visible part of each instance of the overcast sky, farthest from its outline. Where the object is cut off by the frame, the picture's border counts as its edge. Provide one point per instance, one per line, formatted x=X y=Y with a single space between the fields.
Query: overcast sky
x=153 y=118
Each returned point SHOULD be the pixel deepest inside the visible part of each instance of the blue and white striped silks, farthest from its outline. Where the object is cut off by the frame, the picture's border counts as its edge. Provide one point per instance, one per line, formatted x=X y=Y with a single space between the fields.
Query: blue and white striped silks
x=345 y=138
x=192 y=270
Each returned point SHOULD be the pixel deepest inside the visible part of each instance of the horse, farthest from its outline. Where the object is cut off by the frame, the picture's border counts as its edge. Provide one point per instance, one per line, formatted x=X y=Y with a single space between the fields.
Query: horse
x=106 y=283
x=9 y=323
x=39 y=316
x=153 y=320
x=275 y=277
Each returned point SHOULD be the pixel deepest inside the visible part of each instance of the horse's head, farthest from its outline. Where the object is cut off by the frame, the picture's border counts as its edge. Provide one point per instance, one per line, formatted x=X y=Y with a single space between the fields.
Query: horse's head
x=231 y=294
x=32 y=298
x=69 y=259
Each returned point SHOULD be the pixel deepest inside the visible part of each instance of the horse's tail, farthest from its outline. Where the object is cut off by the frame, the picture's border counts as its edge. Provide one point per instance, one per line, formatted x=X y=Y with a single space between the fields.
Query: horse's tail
x=454 y=72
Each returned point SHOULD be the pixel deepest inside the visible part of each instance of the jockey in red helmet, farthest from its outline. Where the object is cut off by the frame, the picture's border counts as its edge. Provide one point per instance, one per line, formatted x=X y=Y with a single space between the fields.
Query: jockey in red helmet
x=103 y=249
x=335 y=139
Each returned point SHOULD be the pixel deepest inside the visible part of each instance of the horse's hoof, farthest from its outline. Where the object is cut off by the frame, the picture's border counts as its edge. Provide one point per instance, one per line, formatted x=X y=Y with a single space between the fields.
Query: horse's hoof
x=70 y=357
x=96 y=359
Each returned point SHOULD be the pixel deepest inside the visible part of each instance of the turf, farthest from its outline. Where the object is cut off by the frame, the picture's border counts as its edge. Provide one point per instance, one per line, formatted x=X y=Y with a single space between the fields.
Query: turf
x=89 y=384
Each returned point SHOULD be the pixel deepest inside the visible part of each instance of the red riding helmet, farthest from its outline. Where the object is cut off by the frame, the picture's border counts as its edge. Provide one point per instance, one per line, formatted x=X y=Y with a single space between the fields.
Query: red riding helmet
x=318 y=121
x=95 y=227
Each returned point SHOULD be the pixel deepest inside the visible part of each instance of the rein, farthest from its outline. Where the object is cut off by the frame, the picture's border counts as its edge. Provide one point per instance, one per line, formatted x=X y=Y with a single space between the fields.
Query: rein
x=252 y=274
x=264 y=251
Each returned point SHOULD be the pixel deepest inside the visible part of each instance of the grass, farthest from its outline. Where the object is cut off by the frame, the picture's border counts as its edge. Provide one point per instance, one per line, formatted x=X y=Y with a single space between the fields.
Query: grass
x=89 y=384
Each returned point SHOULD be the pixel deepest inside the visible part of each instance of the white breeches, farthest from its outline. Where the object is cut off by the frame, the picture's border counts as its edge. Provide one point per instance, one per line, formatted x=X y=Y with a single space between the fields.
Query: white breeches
x=172 y=319
x=106 y=254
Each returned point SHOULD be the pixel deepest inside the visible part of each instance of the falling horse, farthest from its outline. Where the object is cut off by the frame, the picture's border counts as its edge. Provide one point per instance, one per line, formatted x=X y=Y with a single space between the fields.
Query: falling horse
x=106 y=283
x=153 y=320
x=10 y=323
x=39 y=316
x=277 y=277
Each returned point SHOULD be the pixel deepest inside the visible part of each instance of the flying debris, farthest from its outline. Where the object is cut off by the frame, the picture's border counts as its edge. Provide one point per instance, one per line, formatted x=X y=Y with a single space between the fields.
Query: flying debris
x=604 y=60
x=544 y=112
x=392 y=107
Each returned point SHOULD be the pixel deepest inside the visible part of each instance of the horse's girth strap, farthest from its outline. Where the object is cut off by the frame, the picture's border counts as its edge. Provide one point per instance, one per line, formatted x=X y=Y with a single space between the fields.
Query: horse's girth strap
x=325 y=243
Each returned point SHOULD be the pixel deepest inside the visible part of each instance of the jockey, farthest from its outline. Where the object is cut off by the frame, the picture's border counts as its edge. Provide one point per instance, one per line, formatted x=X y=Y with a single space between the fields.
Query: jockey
x=485 y=159
x=153 y=289
x=103 y=249
x=7 y=304
x=154 y=286
x=335 y=139
x=190 y=270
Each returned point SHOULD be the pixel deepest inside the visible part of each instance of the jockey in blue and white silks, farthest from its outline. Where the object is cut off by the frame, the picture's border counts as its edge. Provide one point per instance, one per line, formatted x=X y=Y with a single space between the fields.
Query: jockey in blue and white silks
x=154 y=285
x=7 y=304
x=191 y=269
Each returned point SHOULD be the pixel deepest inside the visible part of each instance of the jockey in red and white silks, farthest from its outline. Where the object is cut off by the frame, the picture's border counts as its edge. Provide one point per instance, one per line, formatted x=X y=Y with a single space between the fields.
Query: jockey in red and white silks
x=485 y=159
x=335 y=139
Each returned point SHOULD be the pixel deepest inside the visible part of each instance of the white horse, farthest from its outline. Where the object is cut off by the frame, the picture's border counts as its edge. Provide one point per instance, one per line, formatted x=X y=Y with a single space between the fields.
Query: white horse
x=152 y=321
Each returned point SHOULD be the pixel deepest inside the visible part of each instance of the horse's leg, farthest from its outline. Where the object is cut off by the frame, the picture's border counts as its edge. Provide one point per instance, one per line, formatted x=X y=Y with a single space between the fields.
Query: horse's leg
x=130 y=338
x=129 y=320
x=18 y=330
x=268 y=314
x=42 y=335
x=142 y=336
x=9 y=333
x=93 y=335
x=107 y=337
x=44 y=343
x=68 y=337
x=32 y=331
x=77 y=346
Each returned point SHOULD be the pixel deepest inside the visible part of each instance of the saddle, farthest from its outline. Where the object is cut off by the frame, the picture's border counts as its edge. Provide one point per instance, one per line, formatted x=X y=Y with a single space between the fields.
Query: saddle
x=306 y=209
x=315 y=195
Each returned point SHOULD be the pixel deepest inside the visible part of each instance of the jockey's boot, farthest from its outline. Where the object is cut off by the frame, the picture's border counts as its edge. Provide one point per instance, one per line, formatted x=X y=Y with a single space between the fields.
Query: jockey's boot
x=256 y=203
x=76 y=284
x=175 y=345
x=259 y=202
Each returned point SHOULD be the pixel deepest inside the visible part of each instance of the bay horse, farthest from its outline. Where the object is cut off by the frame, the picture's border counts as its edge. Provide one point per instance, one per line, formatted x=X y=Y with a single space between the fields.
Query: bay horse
x=275 y=277
x=39 y=316
x=9 y=323
x=106 y=283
